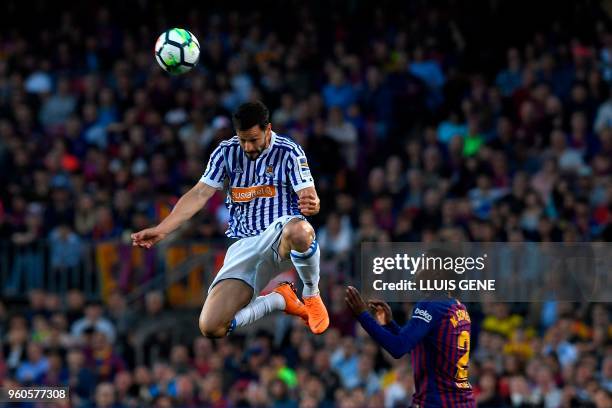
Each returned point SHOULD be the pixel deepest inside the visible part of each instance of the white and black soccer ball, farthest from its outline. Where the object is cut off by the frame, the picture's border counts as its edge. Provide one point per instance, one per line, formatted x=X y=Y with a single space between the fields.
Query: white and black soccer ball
x=177 y=51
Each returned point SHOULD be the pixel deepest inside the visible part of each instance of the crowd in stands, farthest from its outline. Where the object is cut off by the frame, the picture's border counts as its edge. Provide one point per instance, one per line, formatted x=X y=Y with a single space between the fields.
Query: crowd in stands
x=417 y=126
x=516 y=361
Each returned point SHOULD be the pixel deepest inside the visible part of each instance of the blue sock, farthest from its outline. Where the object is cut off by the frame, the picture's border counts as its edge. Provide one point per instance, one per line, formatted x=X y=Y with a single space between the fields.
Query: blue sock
x=232 y=327
x=307 y=266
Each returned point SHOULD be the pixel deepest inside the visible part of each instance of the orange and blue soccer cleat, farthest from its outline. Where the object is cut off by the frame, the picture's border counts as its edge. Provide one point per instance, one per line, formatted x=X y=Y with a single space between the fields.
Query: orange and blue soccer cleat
x=318 y=319
x=293 y=305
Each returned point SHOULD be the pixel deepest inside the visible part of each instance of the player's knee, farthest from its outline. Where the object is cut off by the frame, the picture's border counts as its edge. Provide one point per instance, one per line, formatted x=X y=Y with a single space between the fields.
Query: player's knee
x=300 y=234
x=212 y=330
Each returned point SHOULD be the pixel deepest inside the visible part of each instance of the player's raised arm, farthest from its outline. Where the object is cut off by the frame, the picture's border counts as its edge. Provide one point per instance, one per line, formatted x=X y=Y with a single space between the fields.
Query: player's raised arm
x=396 y=343
x=190 y=203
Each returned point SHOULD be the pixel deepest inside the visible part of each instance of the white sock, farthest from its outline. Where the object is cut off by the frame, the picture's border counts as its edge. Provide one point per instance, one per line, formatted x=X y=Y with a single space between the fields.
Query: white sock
x=307 y=265
x=261 y=306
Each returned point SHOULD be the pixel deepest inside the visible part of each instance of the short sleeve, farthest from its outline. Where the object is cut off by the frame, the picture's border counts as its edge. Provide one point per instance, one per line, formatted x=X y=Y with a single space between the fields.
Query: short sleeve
x=298 y=169
x=214 y=174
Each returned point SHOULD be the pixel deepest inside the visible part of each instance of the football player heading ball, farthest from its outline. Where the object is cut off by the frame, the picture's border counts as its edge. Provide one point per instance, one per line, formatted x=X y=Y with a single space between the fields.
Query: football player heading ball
x=270 y=192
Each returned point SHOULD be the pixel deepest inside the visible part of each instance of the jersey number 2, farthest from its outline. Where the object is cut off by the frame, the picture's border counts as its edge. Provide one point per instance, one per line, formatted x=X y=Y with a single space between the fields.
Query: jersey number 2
x=463 y=343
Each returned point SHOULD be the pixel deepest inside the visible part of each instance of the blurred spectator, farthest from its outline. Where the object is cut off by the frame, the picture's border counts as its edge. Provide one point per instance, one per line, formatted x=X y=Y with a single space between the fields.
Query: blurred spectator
x=338 y=93
x=105 y=396
x=546 y=390
x=65 y=248
x=346 y=362
x=336 y=236
x=121 y=316
x=58 y=107
x=486 y=392
x=345 y=134
x=80 y=378
x=430 y=72
x=33 y=370
x=100 y=356
x=15 y=343
x=94 y=320
x=509 y=79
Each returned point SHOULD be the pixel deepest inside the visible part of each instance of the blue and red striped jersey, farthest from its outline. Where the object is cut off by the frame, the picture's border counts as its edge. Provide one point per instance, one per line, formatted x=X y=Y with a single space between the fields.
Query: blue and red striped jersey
x=438 y=340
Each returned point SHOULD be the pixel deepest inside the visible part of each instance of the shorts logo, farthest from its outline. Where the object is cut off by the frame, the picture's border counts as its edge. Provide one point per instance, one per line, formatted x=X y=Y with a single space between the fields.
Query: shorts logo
x=246 y=194
x=421 y=314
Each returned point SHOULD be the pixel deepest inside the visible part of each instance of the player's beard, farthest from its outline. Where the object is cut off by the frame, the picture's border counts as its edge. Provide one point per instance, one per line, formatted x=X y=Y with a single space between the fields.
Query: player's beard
x=254 y=155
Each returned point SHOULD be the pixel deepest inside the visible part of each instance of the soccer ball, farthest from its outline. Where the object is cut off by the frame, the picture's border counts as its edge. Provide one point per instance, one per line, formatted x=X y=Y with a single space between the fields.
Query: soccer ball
x=177 y=51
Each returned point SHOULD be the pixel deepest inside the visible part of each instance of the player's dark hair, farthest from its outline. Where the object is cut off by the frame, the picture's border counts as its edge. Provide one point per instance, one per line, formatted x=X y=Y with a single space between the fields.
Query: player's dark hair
x=250 y=114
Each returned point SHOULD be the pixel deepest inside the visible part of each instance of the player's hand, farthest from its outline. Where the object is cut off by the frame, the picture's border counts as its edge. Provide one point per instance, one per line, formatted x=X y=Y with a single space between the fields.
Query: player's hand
x=309 y=204
x=147 y=237
x=381 y=310
x=354 y=301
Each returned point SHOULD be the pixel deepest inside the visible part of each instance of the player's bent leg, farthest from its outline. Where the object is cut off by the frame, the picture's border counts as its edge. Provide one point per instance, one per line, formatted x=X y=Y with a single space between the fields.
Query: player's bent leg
x=225 y=299
x=299 y=243
x=297 y=235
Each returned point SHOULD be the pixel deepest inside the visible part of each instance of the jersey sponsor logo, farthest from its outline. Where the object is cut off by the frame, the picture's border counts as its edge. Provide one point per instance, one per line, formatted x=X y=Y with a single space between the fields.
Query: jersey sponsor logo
x=246 y=194
x=421 y=314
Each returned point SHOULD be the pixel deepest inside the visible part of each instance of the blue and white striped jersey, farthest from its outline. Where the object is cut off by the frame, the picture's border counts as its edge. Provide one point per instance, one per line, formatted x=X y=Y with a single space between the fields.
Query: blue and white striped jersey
x=259 y=190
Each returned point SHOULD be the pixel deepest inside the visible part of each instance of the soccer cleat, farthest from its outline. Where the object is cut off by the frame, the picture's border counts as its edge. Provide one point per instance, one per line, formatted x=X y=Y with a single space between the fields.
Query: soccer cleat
x=318 y=319
x=293 y=305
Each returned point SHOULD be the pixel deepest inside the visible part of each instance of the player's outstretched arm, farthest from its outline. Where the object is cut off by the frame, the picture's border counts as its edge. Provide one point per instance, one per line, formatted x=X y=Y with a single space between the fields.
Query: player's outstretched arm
x=398 y=343
x=190 y=203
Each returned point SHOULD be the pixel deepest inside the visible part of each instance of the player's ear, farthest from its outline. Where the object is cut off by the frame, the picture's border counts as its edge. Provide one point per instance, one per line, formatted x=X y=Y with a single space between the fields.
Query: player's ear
x=268 y=134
